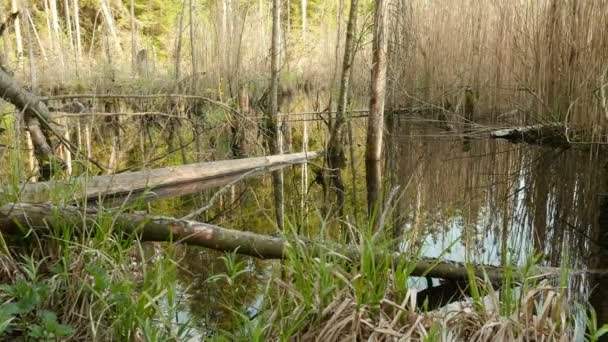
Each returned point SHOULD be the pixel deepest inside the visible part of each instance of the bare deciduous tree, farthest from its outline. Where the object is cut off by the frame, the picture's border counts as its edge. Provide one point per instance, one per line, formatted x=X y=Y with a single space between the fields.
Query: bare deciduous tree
x=335 y=148
x=273 y=139
x=375 y=124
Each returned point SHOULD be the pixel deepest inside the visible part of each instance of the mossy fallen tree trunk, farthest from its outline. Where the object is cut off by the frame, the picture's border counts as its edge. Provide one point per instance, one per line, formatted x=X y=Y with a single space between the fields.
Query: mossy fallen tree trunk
x=18 y=218
x=551 y=135
x=155 y=180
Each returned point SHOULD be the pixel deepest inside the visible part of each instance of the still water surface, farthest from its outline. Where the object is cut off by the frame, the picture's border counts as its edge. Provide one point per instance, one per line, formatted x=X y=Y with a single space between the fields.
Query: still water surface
x=482 y=200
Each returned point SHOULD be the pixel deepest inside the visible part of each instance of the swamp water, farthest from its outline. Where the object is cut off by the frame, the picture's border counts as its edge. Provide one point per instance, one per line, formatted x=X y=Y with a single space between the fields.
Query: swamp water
x=484 y=201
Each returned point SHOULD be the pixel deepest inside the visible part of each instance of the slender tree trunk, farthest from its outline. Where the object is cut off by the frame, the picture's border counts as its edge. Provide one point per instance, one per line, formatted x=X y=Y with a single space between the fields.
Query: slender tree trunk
x=87 y=139
x=66 y=5
x=67 y=155
x=56 y=31
x=111 y=29
x=32 y=163
x=78 y=37
x=192 y=46
x=336 y=159
x=18 y=36
x=304 y=183
x=375 y=124
x=133 y=42
x=274 y=141
x=304 y=19
x=33 y=28
x=47 y=15
x=178 y=43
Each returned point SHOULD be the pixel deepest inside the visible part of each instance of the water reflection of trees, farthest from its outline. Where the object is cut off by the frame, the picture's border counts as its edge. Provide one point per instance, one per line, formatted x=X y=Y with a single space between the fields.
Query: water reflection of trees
x=210 y=303
x=499 y=196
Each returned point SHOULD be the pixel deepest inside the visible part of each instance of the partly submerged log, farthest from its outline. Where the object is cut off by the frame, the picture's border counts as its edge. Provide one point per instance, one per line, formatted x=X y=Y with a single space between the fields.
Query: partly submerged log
x=161 y=180
x=552 y=135
x=18 y=218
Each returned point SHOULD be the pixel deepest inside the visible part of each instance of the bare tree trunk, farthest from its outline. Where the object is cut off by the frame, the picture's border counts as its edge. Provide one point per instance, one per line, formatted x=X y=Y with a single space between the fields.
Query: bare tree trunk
x=87 y=139
x=111 y=29
x=32 y=164
x=304 y=19
x=133 y=43
x=66 y=5
x=67 y=155
x=18 y=36
x=375 y=124
x=336 y=159
x=192 y=46
x=304 y=167
x=47 y=15
x=178 y=44
x=56 y=30
x=274 y=143
x=33 y=28
x=78 y=37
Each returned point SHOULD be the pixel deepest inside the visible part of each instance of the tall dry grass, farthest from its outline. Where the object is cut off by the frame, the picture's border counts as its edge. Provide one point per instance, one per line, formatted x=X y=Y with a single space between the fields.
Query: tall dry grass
x=544 y=58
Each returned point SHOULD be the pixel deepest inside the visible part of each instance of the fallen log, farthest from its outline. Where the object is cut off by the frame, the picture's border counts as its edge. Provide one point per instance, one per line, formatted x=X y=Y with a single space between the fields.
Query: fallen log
x=33 y=110
x=552 y=135
x=15 y=217
x=154 y=181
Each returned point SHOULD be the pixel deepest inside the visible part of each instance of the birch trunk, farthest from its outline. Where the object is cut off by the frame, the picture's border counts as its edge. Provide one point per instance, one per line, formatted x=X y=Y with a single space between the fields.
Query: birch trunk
x=67 y=155
x=304 y=19
x=375 y=124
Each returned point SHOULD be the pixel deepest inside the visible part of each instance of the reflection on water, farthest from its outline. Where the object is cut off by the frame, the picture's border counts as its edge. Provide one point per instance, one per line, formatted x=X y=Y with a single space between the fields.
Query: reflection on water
x=494 y=197
x=209 y=298
x=485 y=201
x=494 y=202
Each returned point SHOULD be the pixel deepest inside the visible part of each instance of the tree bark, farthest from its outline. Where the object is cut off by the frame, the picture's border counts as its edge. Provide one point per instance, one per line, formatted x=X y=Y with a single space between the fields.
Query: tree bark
x=14 y=217
x=111 y=29
x=133 y=43
x=178 y=45
x=56 y=30
x=18 y=35
x=304 y=19
x=375 y=125
x=132 y=183
x=336 y=159
x=78 y=36
x=273 y=122
x=33 y=109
